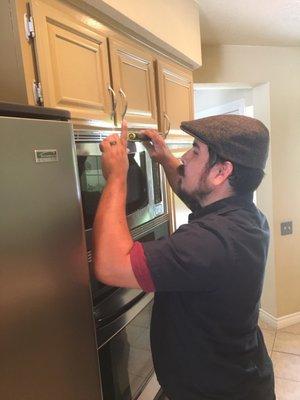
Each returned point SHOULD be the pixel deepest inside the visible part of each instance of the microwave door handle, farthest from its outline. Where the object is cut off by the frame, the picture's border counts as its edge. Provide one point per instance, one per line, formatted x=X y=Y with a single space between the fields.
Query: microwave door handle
x=123 y=96
x=114 y=101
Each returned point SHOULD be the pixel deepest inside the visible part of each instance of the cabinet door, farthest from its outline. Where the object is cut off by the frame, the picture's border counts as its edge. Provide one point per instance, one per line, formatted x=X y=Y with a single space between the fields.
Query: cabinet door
x=133 y=74
x=175 y=85
x=72 y=60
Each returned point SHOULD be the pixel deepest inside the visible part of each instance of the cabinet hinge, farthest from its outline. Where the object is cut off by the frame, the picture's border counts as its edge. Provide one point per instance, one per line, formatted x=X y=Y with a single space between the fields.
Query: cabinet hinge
x=38 y=93
x=29 y=27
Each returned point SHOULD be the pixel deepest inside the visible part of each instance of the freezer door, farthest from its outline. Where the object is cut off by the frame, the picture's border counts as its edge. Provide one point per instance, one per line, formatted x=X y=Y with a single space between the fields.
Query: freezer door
x=48 y=348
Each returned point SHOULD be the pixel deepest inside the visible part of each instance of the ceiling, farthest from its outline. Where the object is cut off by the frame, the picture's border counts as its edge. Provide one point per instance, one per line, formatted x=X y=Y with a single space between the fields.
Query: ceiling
x=250 y=22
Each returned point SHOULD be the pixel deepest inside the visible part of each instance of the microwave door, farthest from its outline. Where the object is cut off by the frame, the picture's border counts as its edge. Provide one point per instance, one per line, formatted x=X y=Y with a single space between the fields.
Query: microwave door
x=139 y=202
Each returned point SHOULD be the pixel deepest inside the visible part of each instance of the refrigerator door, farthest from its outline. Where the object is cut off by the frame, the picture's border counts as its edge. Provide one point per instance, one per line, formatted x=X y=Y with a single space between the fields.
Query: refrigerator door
x=48 y=347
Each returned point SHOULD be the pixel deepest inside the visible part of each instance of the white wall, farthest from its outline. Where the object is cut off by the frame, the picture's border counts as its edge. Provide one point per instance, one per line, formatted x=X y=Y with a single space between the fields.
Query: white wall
x=172 y=24
x=213 y=97
x=261 y=108
x=280 y=66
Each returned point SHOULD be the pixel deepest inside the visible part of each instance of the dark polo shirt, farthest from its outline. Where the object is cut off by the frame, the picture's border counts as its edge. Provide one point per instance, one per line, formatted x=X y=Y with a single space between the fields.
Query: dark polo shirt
x=208 y=279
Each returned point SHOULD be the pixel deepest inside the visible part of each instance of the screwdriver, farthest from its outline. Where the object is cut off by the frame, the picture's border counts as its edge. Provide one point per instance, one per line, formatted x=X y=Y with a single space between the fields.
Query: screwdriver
x=141 y=137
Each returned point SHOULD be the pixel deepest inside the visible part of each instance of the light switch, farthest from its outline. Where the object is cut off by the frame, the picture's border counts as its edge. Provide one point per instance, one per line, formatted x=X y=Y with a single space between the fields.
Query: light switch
x=286 y=228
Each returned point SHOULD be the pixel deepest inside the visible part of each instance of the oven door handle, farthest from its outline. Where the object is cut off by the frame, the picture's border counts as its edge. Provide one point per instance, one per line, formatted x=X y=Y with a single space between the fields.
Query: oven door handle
x=108 y=328
x=101 y=322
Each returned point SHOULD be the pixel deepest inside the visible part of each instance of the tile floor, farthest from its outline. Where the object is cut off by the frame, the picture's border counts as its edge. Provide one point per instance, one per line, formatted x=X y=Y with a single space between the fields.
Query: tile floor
x=284 y=348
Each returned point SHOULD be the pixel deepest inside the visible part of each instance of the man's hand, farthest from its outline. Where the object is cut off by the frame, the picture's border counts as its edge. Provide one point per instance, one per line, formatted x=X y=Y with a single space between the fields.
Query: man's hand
x=158 y=150
x=114 y=159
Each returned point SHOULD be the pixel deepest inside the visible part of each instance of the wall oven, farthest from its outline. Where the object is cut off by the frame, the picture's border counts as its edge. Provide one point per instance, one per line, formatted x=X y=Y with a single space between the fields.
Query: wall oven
x=123 y=336
x=122 y=315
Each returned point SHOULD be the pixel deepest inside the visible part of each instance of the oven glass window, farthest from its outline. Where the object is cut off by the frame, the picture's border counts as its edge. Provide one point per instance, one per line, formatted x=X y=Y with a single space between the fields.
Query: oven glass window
x=92 y=183
x=126 y=361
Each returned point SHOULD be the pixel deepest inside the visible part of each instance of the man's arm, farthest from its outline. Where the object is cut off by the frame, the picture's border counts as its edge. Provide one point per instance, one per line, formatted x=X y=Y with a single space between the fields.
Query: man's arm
x=112 y=241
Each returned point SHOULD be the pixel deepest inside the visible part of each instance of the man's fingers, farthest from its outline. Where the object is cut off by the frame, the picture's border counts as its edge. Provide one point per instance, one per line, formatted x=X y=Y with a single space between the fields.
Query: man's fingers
x=154 y=136
x=151 y=133
x=124 y=132
x=109 y=143
x=149 y=146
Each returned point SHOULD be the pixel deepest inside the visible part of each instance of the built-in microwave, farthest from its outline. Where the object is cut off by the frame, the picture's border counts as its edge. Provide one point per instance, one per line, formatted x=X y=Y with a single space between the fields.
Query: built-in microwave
x=145 y=182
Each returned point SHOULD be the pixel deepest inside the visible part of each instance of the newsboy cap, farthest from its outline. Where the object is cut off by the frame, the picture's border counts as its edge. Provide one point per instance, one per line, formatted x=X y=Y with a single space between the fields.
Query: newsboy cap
x=236 y=138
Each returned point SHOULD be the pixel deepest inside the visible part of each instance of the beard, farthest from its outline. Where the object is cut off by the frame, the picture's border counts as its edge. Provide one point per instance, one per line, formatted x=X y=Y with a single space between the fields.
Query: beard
x=196 y=197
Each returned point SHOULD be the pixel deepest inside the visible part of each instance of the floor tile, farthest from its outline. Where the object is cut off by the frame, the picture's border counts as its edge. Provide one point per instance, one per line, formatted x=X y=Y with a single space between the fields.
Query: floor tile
x=286 y=366
x=287 y=390
x=269 y=338
x=287 y=343
x=291 y=329
x=265 y=326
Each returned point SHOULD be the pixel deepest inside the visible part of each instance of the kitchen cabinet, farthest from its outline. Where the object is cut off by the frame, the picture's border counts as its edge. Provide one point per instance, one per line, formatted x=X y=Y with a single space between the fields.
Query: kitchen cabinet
x=175 y=94
x=73 y=61
x=133 y=81
x=175 y=99
x=68 y=62
x=72 y=64
x=69 y=59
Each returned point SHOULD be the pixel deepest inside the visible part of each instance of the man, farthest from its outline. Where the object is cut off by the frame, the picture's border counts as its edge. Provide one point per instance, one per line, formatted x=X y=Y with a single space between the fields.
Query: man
x=207 y=276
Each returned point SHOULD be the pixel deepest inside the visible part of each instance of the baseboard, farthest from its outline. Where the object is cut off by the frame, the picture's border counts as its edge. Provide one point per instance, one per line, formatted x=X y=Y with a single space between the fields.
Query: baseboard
x=281 y=322
x=268 y=318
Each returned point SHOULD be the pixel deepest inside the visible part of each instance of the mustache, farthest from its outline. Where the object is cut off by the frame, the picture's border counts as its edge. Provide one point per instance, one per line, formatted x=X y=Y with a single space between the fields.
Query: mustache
x=180 y=170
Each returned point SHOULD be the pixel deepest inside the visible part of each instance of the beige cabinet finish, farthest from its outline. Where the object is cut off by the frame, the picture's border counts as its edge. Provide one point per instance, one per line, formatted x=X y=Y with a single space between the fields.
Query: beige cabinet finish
x=133 y=81
x=79 y=61
x=175 y=86
x=73 y=64
x=175 y=99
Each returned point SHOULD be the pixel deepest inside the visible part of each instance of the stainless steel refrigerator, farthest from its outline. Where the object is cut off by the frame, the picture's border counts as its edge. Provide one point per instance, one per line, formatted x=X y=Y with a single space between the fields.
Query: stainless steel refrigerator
x=47 y=339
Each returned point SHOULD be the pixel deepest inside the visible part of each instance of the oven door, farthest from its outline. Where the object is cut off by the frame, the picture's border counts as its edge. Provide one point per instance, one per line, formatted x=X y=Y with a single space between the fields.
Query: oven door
x=124 y=350
x=123 y=331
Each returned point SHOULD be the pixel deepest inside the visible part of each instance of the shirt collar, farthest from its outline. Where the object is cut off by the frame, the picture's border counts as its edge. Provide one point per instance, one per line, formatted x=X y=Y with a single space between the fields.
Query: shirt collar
x=229 y=203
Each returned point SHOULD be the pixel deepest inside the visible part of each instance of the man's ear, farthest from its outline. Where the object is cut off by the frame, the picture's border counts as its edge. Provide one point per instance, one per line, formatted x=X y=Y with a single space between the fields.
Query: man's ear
x=223 y=171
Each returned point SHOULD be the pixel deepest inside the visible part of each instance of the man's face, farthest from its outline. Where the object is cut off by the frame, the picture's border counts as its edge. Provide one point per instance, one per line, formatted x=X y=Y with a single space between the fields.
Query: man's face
x=195 y=174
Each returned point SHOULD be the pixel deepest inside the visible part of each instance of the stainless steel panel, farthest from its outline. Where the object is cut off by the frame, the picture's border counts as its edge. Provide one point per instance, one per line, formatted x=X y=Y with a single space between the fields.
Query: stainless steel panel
x=48 y=347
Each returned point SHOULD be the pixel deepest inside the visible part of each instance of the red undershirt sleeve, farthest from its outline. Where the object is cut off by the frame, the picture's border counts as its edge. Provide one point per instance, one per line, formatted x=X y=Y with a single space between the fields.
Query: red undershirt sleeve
x=140 y=267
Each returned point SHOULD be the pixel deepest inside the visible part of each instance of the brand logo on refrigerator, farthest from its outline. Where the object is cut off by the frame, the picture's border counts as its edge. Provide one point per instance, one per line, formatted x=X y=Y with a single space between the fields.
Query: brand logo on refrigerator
x=46 y=155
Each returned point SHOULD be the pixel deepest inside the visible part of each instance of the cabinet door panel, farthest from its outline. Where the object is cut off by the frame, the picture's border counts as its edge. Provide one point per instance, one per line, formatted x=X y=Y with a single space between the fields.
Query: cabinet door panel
x=73 y=65
x=175 y=94
x=133 y=72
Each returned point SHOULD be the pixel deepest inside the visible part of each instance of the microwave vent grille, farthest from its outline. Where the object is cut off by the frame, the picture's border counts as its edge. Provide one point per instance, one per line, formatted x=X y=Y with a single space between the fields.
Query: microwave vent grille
x=141 y=230
x=93 y=136
x=88 y=137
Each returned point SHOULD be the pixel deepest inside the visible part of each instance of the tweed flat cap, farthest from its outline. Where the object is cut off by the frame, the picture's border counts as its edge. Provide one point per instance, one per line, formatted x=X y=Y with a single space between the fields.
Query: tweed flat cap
x=236 y=138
